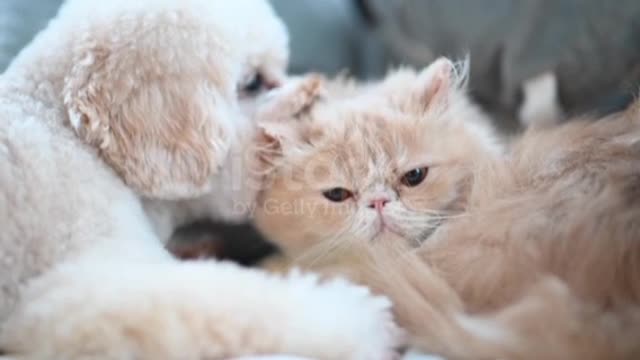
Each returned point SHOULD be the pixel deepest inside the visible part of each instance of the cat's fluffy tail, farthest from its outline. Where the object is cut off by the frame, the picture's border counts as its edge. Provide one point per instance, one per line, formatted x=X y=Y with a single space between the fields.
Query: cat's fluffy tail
x=549 y=322
x=195 y=311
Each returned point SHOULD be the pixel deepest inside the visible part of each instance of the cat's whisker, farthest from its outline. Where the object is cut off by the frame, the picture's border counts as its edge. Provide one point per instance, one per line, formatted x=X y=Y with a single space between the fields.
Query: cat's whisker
x=361 y=231
x=439 y=212
x=318 y=252
x=327 y=245
x=420 y=218
x=415 y=240
x=421 y=221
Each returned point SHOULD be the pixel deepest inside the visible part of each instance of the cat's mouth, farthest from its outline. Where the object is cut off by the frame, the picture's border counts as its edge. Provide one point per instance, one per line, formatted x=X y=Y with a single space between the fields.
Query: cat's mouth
x=415 y=238
x=386 y=228
x=382 y=232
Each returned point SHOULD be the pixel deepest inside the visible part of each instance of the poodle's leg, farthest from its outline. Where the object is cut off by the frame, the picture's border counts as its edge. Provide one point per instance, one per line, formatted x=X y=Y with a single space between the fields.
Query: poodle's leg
x=541 y=107
x=198 y=310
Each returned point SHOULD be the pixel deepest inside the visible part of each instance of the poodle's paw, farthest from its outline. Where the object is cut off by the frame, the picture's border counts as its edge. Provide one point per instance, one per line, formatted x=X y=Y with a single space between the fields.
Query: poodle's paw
x=345 y=321
x=541 y=107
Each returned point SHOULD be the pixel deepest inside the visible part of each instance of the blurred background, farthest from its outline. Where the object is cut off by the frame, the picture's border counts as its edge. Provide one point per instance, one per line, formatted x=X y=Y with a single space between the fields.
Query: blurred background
x=587 y=52
x=591 y=46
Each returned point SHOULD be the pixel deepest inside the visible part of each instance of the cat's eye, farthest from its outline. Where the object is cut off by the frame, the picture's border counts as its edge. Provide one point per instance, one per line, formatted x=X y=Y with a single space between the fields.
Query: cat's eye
x=255 y=85
x=338 y=194
x=415 y=177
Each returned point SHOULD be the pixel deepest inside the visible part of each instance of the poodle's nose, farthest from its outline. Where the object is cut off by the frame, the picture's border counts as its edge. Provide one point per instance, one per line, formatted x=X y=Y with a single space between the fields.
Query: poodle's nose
x=378 y=203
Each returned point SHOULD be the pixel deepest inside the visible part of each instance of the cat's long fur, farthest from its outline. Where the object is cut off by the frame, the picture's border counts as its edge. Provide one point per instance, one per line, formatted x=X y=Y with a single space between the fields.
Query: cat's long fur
x=542 y=263
x=546 y=257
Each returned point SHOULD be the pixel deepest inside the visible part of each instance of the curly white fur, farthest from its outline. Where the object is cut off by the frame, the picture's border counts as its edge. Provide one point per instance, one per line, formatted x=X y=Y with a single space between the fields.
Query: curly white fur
x=196 y=311
x=124 y=100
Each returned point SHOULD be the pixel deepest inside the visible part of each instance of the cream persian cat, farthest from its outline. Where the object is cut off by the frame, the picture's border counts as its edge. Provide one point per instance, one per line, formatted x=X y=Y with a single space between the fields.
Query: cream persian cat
x=528 y=254
x=354 y=165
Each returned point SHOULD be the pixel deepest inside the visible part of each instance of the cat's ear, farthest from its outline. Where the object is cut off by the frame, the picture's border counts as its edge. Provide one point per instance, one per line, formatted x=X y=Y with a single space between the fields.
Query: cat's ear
x=438 y=83
x=279 y=117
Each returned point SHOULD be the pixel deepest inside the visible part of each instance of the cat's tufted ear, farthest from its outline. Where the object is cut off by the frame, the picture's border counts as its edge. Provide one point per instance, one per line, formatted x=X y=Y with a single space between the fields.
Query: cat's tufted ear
x=438 y=83
x=155 y=113
x=279 y=117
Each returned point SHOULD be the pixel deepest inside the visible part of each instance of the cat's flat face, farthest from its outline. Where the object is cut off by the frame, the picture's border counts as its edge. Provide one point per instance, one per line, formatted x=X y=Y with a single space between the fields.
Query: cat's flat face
x=374 y=164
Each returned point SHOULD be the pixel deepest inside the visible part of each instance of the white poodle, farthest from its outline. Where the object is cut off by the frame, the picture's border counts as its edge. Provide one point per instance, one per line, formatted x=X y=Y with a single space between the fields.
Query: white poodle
x=119 y=101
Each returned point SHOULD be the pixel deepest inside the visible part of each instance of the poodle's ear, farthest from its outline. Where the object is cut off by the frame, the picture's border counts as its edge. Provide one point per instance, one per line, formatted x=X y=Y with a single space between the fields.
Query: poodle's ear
x=156 y=113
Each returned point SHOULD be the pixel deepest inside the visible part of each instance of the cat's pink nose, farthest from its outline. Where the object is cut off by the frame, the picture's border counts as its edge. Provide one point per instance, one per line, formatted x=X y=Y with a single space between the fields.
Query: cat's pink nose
x=378 y=204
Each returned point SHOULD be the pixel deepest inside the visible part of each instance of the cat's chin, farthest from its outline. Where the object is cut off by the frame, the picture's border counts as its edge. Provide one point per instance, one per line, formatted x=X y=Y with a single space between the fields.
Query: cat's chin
x=388 y=235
